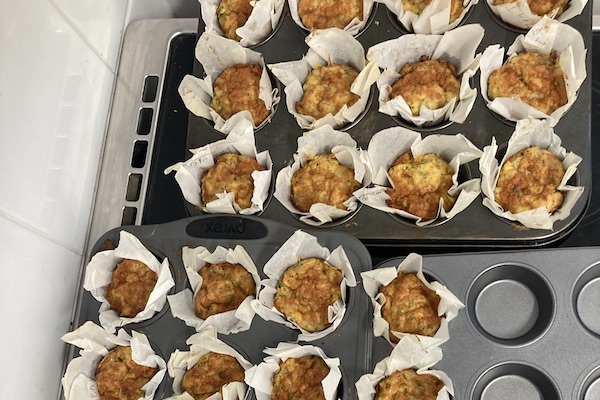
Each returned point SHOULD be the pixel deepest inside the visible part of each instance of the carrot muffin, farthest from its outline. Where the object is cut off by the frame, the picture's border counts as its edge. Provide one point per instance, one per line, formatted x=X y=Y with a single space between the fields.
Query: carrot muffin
x=231 y=173
x=322 y=180
x=224 y=288
x=417 y=7
x=430 y=83
x=419 y=184
x=318 y=14
x=408 y=385
x=540 y=7
x=231 y=15
x=306 y=290
x=327 y=90
x=410 y=306
x=120 y=378
x=130 y=287
x=535 y=79
x=237 y=89
x=210 y=374
x=529 y=180
x=300 y=378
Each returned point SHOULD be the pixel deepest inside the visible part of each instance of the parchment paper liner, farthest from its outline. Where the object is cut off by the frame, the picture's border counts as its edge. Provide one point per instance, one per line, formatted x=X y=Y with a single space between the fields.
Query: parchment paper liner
x=407 y=354
x=217 y=53
x=201 y=343
x=240 y=141
x=457 y=47
x=387 y=145
x=545 y=36
x=413 y=263
x=323 y=140
x=79 y=379
x=300 y=246
x=260 y=377
x=327 y=46
x=519 y=15
x=530 y=132
x=99 y=272
x=261 y=23
x=182 y=303
x=353 y=28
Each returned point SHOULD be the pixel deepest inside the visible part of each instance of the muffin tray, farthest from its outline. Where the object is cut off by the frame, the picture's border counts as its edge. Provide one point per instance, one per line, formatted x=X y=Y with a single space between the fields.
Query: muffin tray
x=476 y=226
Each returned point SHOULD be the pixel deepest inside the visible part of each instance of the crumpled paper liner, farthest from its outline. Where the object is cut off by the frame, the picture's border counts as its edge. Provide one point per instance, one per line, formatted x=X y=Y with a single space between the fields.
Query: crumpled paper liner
x=300 y=246
x=353 y=28
x=260 y=24
x=518 y=14
x=457 y=47
x=260 y=377
x=240 y=141
x=182 y=303
x=530 y=132
x=216 y=54
x=323 y=140
x=387 y=145
x=327 y=46
x=413 y=263
x=407 y=354
x=544 y=37
x=98 y=275
x=79 y=379
x=201 y=343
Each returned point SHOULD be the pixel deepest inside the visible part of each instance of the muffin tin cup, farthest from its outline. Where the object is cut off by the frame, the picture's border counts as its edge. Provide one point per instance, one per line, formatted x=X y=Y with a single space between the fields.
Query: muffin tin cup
x=354 y=28
x=518 y=17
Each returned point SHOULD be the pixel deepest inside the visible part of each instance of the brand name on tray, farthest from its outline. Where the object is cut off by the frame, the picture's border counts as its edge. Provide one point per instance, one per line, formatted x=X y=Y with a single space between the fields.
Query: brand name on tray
x=218 y=227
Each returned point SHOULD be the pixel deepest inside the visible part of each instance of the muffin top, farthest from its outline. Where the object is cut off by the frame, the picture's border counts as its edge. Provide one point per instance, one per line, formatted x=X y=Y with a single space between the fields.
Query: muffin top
x=232 y=14
x=300 y=378
x=406 y=384
x=130 y=287
x=323 y=14
x=210 y=374
x=417 y=7
x=541 y=7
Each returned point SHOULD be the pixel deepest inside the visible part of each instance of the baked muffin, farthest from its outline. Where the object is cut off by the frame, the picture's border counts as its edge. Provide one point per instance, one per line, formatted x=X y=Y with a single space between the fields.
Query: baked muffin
x=419 y=184
x=406 y=384
x=540 y=7
x=529 y=180
x=417 y=7
x=322 y=179
x=319 y=14
x=237 y=89
x=224 y=288
x=430 y=83
x=118 y=377
x=327 y=90
x=130 y=287
x=231 y=173
x=232 y=14
x=300 y=378
x=410 y=306
x=535 y=79
x=306 y=290
x=210 y=374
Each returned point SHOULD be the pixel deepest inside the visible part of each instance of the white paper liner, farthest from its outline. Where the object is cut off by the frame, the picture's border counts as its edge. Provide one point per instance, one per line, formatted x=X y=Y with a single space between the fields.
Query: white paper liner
x=353 y=28
x=413 y=263
x=407 y=354
x=217 y=53
x=519 y=14
x=201 y=343
x=240 y=141
x=327 y=46
x=300 y=246
x=99 y=272
x=530 y=132
x=323 y=140
x=457 y=47
x=387 y=145
x=79 y=380
x=260 y=24
x=260 y=377
x=544 y=37
x=182 y=303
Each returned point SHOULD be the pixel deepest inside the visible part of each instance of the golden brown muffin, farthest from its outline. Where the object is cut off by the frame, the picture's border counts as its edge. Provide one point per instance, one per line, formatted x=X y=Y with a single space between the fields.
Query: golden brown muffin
x=410 y=306
x=300 y=378
x=210 y=374
x=408 y=385
x=306 y=290
x=231 y=15
x=419 y=183
x=231 y=173
x=430 y=83
x=417 y=7
x=327 y=90
x=224 y=288
x=322 y=180
x=120 y=378
x=130 y=287
x=323 y=14
x=237 y=89
x=528 y=180
x=540 y=7
x=535 y=79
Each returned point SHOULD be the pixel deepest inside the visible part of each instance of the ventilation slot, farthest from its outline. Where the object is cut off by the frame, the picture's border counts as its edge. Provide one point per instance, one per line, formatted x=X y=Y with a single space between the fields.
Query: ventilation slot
x=140 y=148
x=150 y=89
x=144 y=121
x=129 y=214
x=134 y=185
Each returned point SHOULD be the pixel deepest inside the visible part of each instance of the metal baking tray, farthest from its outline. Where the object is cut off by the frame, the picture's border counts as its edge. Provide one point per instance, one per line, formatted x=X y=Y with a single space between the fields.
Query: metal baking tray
x=474 y=227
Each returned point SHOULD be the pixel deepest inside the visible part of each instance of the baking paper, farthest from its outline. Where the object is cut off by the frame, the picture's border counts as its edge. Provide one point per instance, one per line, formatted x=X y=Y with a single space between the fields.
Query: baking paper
x=519 y=14
x=353 y=28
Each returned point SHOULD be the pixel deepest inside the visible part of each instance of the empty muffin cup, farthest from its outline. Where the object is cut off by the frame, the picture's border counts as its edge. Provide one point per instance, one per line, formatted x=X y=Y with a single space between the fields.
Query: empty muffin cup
x=586 y=296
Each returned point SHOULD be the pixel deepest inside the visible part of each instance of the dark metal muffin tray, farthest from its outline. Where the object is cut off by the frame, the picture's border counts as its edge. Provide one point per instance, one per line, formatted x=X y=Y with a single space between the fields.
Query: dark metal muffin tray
x=476 y=226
